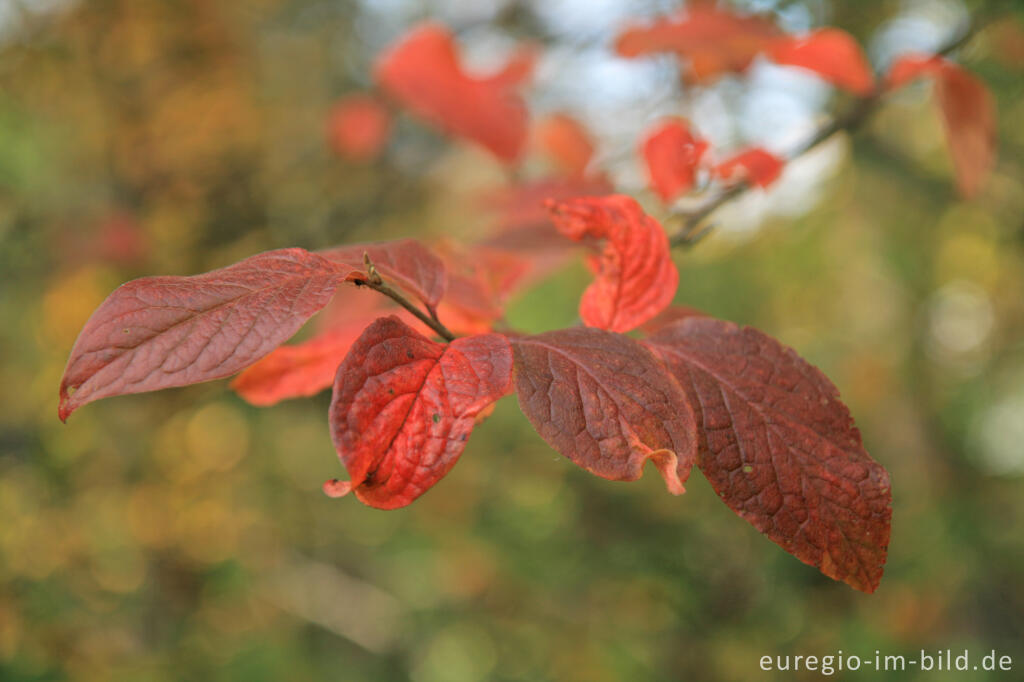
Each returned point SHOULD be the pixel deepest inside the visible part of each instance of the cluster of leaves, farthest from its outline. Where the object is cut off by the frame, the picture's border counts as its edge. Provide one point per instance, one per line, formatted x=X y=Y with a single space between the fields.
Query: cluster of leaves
x=766 y=428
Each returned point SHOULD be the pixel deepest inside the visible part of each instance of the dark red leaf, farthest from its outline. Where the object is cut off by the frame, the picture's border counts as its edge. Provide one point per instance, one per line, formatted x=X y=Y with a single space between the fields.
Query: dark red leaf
x=404 y=262
x=758 y=166
x=358 y=126
x=780 y=448
x=566 y=142
x=159 y=332
x=404 y=406
x=968 y=115
x=636 y=277
x=672 y=154
x=831 y=53
x=710 y=40
x=423 y=72
x=607 y=403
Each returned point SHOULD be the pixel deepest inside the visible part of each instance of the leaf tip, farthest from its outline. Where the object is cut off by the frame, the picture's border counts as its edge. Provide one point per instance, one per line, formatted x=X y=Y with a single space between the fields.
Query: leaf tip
x=668 y=466
x=336 y=488
x=65 y=408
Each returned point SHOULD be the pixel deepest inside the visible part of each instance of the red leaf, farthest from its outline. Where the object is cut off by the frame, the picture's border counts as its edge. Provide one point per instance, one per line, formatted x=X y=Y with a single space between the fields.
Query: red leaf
x=607 y=403
x=567 y=142
x=710 y=40
x=306 y=368
x=358 y=126
x=423 y=72
x=636 y=277
x=159 y=332
x=781 y=449
x=672 y=155
x=404 y=262
x=404 y=406
x=968 y=115
x=831 y=53
x=756 y=165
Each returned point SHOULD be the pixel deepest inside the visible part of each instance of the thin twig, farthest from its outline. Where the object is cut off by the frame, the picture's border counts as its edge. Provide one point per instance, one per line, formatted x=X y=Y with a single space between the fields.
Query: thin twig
x=376 y=282
x=691 y=231
x=401 y=300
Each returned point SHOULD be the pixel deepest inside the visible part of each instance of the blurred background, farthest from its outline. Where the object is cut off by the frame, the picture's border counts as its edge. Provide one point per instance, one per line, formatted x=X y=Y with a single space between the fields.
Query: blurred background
x=183 y=534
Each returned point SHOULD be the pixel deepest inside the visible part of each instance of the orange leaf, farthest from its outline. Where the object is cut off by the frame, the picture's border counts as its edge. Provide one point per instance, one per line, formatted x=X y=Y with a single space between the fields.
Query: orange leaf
x=968 y=115
x=636 y=277
x=711 y=40
x=358 y=126
x=758 y=166
x=566 y=141
x=831 y=53
x=423 y=72
x=672 y=154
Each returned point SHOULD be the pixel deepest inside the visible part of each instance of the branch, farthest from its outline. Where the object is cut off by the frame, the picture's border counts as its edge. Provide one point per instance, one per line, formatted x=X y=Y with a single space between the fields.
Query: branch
x=375 y=282
x=691 y=231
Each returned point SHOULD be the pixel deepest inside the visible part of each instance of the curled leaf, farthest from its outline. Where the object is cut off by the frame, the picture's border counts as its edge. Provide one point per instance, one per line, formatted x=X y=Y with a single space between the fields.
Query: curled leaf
x=636 y=277
x=758 y=166
x=672 y=154
x=159 y=332
x=404 y=406
x=607 y=403
x=831 y=53
x=424 y=73
x=780 y=448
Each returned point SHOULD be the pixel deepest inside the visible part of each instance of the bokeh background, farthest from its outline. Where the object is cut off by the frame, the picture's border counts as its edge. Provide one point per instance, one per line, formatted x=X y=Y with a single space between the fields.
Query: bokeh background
x=183 y=534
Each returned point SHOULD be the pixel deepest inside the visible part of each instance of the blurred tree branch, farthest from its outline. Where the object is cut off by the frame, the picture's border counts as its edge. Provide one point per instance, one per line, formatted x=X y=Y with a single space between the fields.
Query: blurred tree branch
x=694 y=228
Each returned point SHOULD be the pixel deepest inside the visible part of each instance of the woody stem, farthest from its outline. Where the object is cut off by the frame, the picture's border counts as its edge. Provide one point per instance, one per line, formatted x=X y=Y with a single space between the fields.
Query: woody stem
x=692 y=231
x=382 y=287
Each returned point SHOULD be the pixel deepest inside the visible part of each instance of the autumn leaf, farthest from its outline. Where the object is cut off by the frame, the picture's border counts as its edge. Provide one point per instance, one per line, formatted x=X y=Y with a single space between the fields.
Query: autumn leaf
x=672 y=154
x=404 y=262
x=709 y=40
x=758 y=166
x=423 y=72
x=968 y=115
x=831 y=53
x=564 y=139
x=159 y=332
x=780 y=448
x=358 y=127
x=404 y=406
x=607 y=403
x=636 y=277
